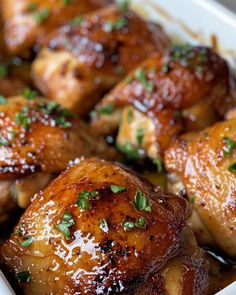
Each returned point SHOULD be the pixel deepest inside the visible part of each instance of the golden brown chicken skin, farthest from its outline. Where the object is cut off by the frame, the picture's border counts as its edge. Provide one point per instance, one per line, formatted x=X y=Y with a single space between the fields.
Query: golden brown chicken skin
x=37 y=139
x=99 y=229
x=27 y=22
x=81 y=62
x=167 y=94
x=205 y=165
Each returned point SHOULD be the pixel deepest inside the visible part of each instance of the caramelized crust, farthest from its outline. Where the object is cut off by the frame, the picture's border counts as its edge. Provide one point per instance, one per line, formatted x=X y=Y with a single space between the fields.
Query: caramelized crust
x=205 y=164
x=91 y=258
x=28 y=22
x=38 y=135
x=93 y=56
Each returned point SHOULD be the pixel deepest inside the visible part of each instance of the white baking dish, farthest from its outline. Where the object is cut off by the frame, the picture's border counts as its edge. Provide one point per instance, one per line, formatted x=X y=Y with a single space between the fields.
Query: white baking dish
x=195 y=21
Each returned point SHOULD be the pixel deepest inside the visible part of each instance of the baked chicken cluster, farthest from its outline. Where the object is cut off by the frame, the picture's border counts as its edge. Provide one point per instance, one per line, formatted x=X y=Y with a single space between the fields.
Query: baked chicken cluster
x=117 y=154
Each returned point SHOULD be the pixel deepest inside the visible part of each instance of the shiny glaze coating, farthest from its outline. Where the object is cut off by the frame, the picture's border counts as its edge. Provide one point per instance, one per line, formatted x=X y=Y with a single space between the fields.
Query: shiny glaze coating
x=38 y=135
x=93 y=56
x=23 y=26
x=202 y=163
x=96 y=260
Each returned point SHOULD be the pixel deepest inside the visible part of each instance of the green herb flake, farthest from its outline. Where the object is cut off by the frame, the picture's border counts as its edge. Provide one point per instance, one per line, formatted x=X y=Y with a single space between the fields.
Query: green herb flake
x=20 y=230
x=85 y=197
x=117 y=25
x=191 y=200
x=131 y=152
x=141 y=77
x=159 y=165
x=29 y=93
x=230 y=145
x=27 y=241
x=31 y=7
x=64 y=226
x=41 y=15
x=140 y=222
x=23 y=120
x=23 y=277
x=3 y=100
x=106 y=109
x=117 y=189
x=232 y=167
x=104 y=225
x=128 y=80
x=124 y=5
x=3 y=141
x=140 y=135
x=77 y=21
x=66 y=2
x=141 y=202
x=130 y=115
x=128 y=225
x=3 y=70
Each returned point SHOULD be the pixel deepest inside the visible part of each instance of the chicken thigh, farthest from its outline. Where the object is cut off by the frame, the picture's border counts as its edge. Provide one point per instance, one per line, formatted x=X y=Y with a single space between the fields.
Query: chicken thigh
x=203 y=165
x=180 y=90
x=26 y=22
x=81 y=61
x=99 y=229
x=38 y=139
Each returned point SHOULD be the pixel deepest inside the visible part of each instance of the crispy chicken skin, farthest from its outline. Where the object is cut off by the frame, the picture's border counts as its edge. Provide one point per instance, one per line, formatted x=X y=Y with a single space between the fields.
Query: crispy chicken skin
x=28 y=22
x=37 y=139
x=81 y=62
x=205 y=164
x=169 y=93
x=83 y=241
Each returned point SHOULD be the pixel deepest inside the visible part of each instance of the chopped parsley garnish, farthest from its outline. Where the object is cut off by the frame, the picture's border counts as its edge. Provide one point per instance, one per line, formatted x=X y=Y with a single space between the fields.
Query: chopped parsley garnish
x=116 y=25
x=138 y=223
x=66 y=2
x=3 y=100
x=141 y=77
x=104 y=225
x=158 y=163
x=140 y=135
x=23 y=277
x=128 y=150
x=77 y=21
x=20 y=230
x=85 y=197
x=29 y=93
x=130 y=115
x=3 y=70
x=31 y=7
x=232 y=167
x=117 y=189
x=41 y=15
x=191 y=200
x=230 y=145
x=27 y=241
x=128 y=80
x=123 y=5
x=64 y=226
x=22 y=119
x=106 y=109
x=3 y=141
x=141 y=202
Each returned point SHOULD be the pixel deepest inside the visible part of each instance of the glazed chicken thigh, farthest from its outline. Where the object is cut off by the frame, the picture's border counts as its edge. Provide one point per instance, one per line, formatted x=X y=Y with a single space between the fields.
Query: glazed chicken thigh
x=203 y=165
x=99 y=229
x=81 y=61
x=27 y=22
x=38 y=139
x=181 y=90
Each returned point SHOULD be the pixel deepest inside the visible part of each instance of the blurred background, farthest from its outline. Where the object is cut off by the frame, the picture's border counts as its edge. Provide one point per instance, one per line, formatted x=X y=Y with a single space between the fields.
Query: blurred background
x=231 y=4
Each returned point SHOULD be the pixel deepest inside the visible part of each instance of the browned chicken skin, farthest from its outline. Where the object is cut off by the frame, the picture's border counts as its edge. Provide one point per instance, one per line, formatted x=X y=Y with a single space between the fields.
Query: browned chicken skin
x=28 y=22
x=166 y=95
x=37 y=139
x=99 y=229
x=205 y=164
x=81 y=62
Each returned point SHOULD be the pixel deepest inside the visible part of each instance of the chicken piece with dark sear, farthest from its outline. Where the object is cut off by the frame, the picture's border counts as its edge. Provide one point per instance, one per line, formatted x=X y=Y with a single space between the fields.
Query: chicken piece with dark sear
x=37 y=140
x=203 y=166
x=80 y=62
x=99 y=229
x=185 y=89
